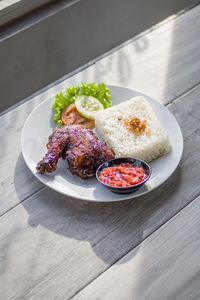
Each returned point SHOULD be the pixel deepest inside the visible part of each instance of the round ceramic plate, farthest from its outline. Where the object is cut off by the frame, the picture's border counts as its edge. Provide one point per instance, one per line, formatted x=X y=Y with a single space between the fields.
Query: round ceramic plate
x=40 y=125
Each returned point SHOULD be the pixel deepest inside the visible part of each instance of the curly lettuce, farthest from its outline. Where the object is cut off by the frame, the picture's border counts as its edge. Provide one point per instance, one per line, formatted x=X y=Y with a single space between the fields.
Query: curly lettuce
x=97 y=90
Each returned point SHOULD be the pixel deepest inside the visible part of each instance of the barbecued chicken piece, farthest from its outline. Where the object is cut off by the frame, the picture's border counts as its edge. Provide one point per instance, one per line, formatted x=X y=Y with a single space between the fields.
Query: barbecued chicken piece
x=79 y=146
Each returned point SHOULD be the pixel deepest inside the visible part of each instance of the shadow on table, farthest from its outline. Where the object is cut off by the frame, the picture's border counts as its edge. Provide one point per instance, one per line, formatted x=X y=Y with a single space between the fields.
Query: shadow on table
x=112 y=229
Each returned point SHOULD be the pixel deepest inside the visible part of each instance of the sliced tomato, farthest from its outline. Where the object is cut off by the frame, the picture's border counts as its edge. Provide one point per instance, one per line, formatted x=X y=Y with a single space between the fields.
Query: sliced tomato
x=70 y=115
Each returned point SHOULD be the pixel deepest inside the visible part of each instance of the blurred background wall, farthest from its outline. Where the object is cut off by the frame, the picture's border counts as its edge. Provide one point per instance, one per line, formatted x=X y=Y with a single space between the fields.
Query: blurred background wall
x=48 y=43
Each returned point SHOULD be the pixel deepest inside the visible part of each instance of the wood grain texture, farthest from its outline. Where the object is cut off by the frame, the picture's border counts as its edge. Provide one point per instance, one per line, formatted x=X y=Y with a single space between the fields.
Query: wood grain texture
x=13 y=171
x=163 y=62
x=165 y=266
x=52 y=247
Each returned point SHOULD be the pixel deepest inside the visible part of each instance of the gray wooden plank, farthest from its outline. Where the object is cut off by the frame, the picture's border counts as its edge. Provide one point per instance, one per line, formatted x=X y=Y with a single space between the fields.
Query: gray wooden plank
x=146 y=70
x=164 y=266
x=163 y=63
x=13 y=169
x=52 y=246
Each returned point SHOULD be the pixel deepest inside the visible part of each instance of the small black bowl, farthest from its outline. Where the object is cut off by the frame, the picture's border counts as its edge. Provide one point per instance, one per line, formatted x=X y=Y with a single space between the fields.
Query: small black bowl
x=117 y=161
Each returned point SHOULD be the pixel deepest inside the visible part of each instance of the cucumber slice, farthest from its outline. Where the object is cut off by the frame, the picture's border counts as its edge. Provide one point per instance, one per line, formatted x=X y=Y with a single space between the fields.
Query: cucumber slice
x=87 y=106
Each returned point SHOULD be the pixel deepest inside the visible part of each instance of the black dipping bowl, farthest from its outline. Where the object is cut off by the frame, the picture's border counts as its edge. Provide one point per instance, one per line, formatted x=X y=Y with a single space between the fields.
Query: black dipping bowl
x=117 y=161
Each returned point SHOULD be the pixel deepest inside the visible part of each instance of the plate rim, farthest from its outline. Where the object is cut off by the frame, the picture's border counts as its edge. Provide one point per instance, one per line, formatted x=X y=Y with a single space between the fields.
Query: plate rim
x=123 y=197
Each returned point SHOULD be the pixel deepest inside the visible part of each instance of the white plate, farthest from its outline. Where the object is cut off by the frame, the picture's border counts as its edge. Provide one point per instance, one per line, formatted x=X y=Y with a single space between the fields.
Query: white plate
x=40 y=125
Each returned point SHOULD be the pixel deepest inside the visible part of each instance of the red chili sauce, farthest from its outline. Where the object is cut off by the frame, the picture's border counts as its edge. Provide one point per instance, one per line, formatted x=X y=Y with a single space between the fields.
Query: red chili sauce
x=122 y=175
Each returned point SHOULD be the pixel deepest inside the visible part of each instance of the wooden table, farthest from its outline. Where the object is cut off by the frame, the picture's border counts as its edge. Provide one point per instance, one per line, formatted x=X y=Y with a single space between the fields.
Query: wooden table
x=55 y=247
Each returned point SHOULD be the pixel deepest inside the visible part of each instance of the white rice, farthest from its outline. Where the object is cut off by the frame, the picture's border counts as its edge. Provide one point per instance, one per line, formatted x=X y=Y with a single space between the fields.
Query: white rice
x=124 y=142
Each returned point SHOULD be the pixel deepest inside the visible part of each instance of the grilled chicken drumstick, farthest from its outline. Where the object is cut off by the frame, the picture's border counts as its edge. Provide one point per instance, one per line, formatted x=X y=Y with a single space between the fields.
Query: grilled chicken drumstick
x=79 y=146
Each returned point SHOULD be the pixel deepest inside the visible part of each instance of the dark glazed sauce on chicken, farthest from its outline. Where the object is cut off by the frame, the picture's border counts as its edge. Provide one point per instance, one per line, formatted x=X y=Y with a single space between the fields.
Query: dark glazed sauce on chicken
x=79 y=146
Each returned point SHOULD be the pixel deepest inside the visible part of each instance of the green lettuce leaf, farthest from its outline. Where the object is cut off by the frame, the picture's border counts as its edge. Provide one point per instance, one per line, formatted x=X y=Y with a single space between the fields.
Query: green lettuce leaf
x=99 y=91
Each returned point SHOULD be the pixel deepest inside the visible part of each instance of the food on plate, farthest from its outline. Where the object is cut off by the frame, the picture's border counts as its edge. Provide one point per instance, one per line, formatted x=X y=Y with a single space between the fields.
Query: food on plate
x=79 y=146
x=122 y=175
x=62 y=100
x=131 y=129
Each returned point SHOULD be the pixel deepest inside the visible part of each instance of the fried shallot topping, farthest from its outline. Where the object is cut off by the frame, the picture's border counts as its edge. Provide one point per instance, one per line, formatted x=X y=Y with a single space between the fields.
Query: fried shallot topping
x=137 y=125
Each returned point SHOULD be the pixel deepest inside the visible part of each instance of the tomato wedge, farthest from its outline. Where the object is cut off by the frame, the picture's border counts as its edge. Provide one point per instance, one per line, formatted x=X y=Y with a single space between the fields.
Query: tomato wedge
x=70 y=115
